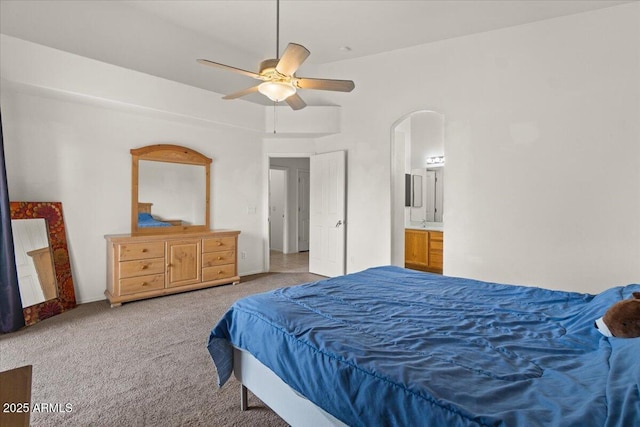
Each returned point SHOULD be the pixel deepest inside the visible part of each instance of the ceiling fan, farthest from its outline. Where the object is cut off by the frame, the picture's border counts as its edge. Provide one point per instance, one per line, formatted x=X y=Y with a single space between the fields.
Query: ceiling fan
x=279 y=82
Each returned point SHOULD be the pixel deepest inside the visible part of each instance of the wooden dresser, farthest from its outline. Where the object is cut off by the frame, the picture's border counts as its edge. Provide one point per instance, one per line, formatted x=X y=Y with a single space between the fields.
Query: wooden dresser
x=141 y=267
x=423 y=250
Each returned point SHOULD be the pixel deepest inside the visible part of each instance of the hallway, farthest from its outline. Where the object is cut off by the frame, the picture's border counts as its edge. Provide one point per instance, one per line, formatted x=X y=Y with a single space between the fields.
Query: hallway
x=289 y=263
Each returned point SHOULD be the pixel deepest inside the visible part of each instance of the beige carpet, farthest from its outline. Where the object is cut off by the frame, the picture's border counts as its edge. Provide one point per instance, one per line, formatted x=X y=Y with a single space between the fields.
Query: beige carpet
x=142 y=364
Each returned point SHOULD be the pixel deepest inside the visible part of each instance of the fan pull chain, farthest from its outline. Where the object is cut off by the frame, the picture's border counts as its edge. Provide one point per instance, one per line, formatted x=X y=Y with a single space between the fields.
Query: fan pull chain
x=274 y=117
x=277 y=29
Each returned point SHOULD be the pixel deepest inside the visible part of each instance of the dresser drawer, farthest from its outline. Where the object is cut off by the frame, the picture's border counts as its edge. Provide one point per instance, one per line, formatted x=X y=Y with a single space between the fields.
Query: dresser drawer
x=219 y=244
x=218 y=272
x=218 y=258
x=142 y=267
x=144 y=250
x=134 y=285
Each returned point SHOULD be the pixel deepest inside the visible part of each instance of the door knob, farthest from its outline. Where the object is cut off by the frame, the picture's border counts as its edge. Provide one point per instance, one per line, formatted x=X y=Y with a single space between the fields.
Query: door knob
x=339 y=223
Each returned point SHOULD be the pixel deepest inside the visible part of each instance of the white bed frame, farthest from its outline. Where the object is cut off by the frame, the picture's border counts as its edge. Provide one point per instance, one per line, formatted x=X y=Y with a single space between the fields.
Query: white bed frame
x=290 y=405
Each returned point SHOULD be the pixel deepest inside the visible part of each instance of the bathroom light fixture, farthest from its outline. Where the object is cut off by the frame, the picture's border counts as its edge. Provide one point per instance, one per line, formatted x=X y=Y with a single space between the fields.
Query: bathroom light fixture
x=437 y=160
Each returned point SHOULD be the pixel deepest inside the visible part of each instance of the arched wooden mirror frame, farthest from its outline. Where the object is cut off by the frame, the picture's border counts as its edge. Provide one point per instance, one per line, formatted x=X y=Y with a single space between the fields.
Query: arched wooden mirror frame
x=170 y=154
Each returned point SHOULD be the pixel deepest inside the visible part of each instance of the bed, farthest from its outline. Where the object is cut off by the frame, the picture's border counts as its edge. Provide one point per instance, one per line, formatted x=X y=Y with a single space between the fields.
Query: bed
x=394 y=347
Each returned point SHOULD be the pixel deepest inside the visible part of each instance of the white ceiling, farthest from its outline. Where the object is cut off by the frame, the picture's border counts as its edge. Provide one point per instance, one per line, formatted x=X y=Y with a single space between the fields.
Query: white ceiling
x=164 y=38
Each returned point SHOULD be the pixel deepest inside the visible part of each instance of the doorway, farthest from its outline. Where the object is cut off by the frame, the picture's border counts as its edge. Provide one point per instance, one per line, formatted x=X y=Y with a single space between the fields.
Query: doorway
x=327 y=221
x=415 y=138
x=288 y=214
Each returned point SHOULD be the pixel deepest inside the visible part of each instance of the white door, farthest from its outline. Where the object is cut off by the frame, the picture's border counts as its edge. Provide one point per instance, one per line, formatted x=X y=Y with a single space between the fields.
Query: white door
x=277 y=183
x=303 y=210
x=439 y=194
x=327 y=214
x=430 y=200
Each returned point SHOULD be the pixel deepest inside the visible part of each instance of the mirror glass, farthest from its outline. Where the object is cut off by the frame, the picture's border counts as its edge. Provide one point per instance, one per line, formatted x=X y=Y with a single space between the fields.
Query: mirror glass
x=175 y=192
x=434 y=181
x=426 y=196
x=34 y=261
x=427 y=199
x=416 y=191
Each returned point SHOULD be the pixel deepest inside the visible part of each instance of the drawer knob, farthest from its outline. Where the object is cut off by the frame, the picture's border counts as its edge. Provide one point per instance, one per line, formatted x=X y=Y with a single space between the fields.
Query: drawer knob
x=219 y=258
x=219 y=243
x=145 y=284
x=145 y=250
x=144 y=267
x=219 y=271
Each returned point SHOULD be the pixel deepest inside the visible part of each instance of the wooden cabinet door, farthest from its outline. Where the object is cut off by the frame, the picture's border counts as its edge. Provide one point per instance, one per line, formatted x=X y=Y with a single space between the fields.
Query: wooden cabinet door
x=183 y=258
x=436 y=247
x=416 y=252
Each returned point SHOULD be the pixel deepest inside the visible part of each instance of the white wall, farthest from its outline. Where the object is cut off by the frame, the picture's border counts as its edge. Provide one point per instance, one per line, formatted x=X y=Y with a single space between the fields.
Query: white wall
x=67 y=138
x=536 y=116
x=427 y=138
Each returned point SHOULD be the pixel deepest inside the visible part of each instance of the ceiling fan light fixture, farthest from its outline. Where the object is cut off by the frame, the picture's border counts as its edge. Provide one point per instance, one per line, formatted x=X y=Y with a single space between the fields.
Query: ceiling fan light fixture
x=279 y=82
x=277 y=91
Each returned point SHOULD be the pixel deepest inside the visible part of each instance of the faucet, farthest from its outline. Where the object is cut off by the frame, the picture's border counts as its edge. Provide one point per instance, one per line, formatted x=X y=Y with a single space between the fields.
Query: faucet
x=424 y=223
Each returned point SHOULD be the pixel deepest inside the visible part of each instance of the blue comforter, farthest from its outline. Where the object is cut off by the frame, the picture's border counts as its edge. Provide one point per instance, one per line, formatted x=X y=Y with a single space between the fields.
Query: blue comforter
x=146 y=220
x=395 y=347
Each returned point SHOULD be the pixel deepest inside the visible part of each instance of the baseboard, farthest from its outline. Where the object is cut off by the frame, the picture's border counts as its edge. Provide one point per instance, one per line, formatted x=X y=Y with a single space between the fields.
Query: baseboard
x=250 y=273
x=94 y=299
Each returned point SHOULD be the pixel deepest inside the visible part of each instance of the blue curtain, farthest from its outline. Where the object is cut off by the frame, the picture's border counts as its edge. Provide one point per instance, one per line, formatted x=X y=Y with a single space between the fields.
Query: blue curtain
x=11 y=316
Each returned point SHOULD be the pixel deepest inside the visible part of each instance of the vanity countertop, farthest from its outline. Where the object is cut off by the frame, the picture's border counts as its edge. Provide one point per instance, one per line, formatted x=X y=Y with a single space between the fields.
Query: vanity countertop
x=428 y=227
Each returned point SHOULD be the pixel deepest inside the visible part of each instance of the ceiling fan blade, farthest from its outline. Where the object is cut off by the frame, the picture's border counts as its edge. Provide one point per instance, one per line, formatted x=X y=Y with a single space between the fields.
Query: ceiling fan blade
x=325 y=84
x=229 y=68
x=293 y=56
x=242 y=92
x=295 y=102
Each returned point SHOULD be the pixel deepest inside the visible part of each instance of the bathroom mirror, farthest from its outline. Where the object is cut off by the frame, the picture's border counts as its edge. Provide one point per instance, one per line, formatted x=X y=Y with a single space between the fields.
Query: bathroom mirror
x=170 y=188
x=42 y=259
x=434 y=185
x=427 y=195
